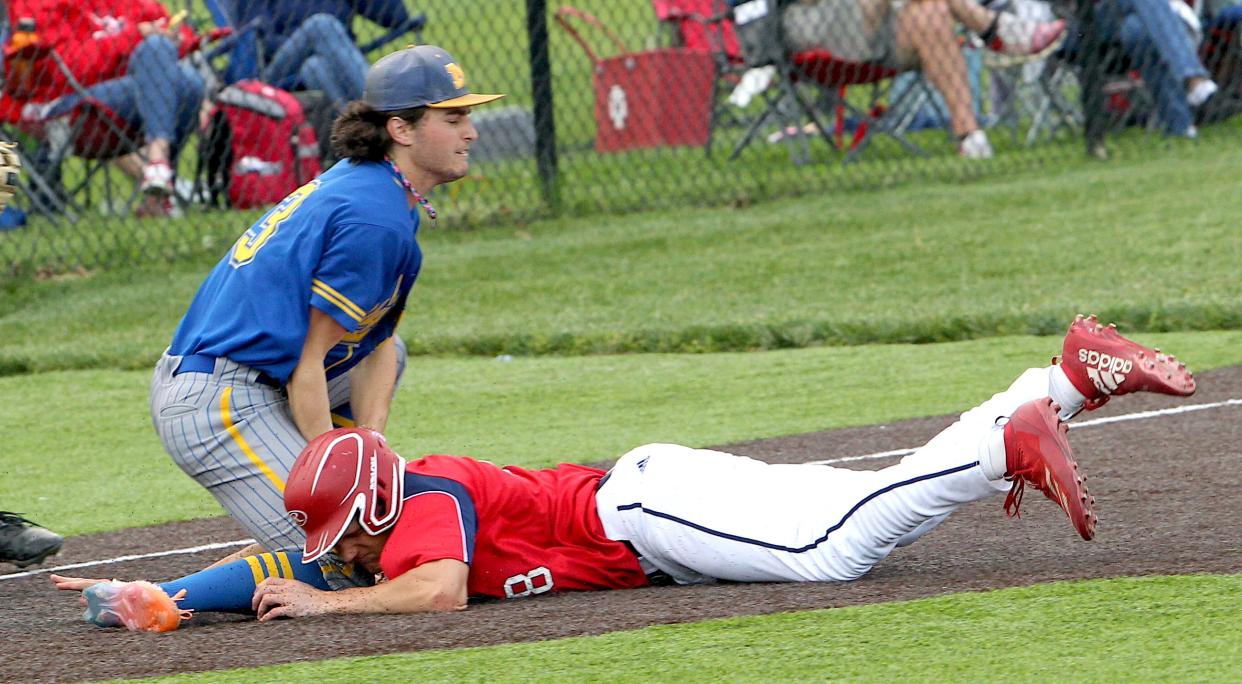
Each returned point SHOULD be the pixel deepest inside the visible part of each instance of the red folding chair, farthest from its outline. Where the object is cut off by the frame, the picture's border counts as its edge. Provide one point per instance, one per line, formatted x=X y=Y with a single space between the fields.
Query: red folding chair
x=705 y=26
x=749 y=36
x=82 y=128
x=702 y=25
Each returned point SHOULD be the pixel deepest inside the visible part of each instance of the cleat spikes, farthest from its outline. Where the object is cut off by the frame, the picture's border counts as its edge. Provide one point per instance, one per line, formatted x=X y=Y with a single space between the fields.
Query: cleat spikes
x=1038 y=454
x=1100 y=362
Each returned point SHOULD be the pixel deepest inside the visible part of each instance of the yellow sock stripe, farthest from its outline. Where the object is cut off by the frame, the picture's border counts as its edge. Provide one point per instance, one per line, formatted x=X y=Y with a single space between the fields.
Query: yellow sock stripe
x=269 y=565
x=255 y=570
x=286 y=570
x=227 y=417
x=341 y=301
x=341 y=421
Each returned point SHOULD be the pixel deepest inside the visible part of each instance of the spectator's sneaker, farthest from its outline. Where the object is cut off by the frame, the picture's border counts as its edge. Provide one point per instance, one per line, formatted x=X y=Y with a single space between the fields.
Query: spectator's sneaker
x=24 y=543
x=1037 y=453
x=1101 y=363
x=1201 y=92
x=157 y=179
x=975 y=146
x=1014 y=36
x=138 y=606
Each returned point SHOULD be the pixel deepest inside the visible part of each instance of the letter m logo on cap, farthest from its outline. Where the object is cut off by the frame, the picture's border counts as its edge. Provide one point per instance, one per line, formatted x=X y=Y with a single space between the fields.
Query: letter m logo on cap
x=459 y=76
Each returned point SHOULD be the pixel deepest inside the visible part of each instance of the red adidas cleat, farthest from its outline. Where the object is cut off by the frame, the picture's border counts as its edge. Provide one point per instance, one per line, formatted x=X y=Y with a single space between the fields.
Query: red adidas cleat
x=1101 y=363
x=1037 y=453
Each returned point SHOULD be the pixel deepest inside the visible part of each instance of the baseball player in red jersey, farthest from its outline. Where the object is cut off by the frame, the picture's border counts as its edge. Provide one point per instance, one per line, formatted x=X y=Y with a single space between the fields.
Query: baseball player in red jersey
x=517 y=528
x=441 y=529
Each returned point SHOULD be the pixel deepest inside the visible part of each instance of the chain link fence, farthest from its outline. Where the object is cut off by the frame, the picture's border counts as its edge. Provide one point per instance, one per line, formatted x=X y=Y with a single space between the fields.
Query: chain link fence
x=155 y=132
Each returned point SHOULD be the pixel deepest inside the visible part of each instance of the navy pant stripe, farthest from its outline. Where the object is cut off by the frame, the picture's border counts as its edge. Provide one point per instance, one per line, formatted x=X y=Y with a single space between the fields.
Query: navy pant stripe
x=817 y=542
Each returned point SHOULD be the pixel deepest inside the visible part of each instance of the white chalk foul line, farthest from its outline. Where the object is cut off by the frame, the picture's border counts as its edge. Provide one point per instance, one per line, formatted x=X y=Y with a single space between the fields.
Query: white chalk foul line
x=140 y=556
x=1140 y=415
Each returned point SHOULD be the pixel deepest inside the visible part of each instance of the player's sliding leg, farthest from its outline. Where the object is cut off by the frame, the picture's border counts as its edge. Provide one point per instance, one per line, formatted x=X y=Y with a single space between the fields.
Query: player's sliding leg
x=1096 y=363
x=698 y=514
x=143 y=606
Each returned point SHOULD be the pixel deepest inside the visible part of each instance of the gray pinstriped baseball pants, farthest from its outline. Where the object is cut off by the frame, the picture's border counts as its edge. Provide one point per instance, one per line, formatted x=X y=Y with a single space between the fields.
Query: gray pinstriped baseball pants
x=236 y=437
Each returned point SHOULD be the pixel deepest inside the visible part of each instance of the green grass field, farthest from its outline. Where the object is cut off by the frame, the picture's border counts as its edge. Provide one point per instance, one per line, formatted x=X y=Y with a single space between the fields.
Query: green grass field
x=1098 y=631
x=705 y=326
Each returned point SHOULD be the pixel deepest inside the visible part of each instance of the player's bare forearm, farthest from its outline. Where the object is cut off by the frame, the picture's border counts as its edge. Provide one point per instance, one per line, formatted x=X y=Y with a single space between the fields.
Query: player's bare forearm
x=371 y=385
x=308 y=386
x=308 y=401
x=438 y=586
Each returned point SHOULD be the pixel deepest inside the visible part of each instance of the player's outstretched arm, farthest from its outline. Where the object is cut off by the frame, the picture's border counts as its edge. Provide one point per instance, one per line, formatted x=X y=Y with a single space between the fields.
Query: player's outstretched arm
x=431 y=587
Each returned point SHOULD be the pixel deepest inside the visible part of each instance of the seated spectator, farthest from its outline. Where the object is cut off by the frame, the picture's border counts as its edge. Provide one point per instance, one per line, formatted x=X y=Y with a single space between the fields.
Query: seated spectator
x=125 y=53
x=1154 y=39
x=918 y=34
x=309 y=44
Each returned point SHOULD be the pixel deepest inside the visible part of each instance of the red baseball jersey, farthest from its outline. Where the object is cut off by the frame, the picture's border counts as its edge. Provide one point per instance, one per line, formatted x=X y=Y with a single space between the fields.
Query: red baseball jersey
x=522 y=532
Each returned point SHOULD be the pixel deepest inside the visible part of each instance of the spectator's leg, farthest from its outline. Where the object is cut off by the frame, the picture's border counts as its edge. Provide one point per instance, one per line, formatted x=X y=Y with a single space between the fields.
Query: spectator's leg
x=190 y=90
x=1168 y=37
x=972 y=15
x=926 y=28
x=159 y=97
x=339 y=69
x=319 y=73
x=1166 y=88
x=171 y=96
x=153 y=72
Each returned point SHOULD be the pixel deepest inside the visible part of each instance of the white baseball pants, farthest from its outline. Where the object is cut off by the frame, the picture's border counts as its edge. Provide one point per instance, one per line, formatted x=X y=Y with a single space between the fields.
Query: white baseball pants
x=702 y=515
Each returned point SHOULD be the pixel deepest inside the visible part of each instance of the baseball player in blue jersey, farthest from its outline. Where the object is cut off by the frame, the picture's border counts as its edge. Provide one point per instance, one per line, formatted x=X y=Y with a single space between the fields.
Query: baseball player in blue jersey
x=294 y=329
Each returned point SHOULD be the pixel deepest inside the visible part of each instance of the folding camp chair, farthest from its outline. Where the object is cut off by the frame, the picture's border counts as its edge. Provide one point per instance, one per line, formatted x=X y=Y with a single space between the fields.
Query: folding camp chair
x=706 y=26
x=1038 y=96
x=1221 y=53
x=761 y=35
x=1032 y=93
x=79 y=126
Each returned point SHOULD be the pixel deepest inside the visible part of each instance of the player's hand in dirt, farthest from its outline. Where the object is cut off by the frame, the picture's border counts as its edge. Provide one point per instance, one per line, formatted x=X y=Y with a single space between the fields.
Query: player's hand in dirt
x=74 y=583
x=277 y=597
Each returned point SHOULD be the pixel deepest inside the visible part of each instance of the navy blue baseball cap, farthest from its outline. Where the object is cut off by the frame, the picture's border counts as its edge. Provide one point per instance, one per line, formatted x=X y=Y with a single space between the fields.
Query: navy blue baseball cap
x=419 y=76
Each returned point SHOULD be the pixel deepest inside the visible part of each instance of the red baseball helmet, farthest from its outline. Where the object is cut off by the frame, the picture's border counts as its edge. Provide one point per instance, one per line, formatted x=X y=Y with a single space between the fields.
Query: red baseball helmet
x=344 y=475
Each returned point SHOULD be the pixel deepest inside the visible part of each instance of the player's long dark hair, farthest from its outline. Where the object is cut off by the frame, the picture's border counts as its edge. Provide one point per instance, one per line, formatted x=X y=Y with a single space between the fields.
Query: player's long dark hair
x=361 y=133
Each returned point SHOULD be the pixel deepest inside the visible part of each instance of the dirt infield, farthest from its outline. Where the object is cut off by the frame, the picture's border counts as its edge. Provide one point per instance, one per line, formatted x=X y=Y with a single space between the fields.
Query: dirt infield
x=1167 y=490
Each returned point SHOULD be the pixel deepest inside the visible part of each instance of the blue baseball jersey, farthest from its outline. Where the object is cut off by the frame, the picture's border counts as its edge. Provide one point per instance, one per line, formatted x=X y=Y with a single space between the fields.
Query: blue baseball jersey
x=345 y=243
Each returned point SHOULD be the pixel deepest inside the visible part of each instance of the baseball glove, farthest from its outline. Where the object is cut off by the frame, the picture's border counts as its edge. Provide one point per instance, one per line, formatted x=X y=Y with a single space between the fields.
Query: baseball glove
x=10 y=168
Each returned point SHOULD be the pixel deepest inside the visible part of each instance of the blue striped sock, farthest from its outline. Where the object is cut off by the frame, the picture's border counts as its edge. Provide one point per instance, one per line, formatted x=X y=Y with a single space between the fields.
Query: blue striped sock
x=228 y=588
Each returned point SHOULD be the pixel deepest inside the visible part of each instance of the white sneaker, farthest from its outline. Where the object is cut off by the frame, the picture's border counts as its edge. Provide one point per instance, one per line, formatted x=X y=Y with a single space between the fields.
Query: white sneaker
x=1202 y=91
x=157 y=179
x=975 y=146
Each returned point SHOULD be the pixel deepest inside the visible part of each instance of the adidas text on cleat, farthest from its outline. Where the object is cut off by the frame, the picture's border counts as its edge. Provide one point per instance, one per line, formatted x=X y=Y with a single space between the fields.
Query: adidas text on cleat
x=1101 y=363
x=1037 y=453
x=138 y=606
